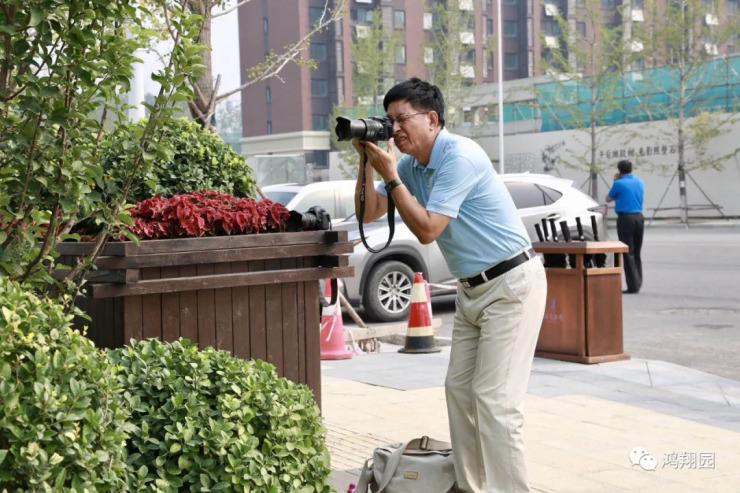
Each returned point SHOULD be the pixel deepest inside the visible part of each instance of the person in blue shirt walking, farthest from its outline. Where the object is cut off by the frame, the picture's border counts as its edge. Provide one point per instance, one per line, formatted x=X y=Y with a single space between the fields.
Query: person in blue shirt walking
x=447 y=191
x=627 y=193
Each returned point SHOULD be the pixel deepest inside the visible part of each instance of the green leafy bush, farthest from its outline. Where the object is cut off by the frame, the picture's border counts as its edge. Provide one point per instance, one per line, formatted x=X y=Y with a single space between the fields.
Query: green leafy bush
x=62 y=424
x=197 y=160
x=208 y=421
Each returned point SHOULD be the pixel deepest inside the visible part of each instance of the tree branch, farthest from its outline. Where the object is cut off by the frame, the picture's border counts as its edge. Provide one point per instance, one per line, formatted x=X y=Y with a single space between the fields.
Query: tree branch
x=274 y=66
x=226 y=12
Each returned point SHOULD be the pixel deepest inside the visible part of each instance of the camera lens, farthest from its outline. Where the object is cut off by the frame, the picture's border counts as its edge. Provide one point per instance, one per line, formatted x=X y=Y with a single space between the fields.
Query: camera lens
x=374 y=128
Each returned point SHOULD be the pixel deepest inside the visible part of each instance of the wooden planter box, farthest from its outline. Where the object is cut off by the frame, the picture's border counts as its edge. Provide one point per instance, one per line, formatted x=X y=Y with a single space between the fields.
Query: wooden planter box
x=256 y=296
x=583 y=315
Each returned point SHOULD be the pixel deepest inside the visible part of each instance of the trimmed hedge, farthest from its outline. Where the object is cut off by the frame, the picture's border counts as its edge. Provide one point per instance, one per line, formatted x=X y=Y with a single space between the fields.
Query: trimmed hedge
x=207 y=421
x=62 y=423
x=197 y=160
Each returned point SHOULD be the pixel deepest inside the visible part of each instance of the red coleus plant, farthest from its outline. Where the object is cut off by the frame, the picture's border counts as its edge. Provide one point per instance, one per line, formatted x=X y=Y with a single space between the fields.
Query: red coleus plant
x=206 y=213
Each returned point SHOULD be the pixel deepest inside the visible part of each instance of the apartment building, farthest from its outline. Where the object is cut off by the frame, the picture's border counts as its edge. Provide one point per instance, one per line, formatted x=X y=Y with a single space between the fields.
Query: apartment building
x=290 y=115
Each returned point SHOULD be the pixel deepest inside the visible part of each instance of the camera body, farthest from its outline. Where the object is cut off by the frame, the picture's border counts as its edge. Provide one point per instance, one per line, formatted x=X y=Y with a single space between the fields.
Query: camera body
x=375 y=128
x=314 y=219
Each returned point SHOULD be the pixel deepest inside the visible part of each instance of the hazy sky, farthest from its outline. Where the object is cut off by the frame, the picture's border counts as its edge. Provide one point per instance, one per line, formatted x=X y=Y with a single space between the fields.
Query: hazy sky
x=225 y=53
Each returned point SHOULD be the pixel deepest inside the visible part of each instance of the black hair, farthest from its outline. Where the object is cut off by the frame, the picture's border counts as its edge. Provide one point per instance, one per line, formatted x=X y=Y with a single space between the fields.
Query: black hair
x=625 y=166
x=420 y=94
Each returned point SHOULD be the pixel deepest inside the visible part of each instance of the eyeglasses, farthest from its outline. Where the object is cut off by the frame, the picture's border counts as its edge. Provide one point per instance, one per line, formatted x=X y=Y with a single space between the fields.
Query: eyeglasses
x=401 y=119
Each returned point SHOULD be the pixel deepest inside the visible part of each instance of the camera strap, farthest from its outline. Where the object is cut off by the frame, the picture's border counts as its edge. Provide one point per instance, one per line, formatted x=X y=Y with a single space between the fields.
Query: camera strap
x=391 y=212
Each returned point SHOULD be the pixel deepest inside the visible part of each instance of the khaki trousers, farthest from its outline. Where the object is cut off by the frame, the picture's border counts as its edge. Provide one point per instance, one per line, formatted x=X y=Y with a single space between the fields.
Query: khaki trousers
x=493 y=341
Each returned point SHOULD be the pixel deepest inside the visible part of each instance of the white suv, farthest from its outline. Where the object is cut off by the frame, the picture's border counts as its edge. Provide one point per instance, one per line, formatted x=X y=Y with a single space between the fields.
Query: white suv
x=382 y=282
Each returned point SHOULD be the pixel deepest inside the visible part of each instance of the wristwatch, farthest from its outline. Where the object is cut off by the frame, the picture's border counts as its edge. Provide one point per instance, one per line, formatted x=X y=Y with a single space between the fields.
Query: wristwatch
x=392 y=184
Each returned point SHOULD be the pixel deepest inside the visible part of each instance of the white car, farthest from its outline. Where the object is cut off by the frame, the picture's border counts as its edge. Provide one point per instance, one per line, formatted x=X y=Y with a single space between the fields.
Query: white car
x=336 y=197
x=382 y=282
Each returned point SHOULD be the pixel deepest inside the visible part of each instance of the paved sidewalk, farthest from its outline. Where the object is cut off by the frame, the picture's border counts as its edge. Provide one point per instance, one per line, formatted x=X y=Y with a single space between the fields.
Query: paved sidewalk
x=581 y=421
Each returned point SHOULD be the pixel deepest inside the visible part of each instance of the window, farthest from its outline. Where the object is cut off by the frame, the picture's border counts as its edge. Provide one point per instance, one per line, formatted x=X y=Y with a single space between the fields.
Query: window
x=428 y=55
x=314 y=15
x=362 y=15
x=510 y=29
x=320 y=122
x=581 y=28
x=401 y=54
x=511 y=61
x=318 y=88
x=608 y=4
x=427 y=21
x=489 y=60
x=639 y=5
x=469 y=56
x=340 y=88
x=268 y=94
x=318 y=52
x=399 y=19
x=269 y=127
x=733 y=6
x=527 y=195
x=265 y=24
x=340 y=57
x=338 y=27
x=489 y=26
x=510 y=2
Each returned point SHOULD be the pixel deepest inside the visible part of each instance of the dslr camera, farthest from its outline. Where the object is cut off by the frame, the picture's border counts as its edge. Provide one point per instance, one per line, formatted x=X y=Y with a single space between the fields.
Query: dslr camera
x=375 y=128
x=314 y=219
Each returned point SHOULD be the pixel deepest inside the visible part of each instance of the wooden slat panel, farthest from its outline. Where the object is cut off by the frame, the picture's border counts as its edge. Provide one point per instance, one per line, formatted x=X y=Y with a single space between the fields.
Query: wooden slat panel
x=301 y=311
x=313 y=349
x=224 y=321
x=117 y=321
x=145 y=247
x=206 y=311
x=291 y=343
x=580 y=247
x=231 y=255
x=188 y=308
x=240 y=315
x=170 y=308
x=132 y=324
x=257 y=323
x=152 y=307
x=220 y=281
x=274 y=319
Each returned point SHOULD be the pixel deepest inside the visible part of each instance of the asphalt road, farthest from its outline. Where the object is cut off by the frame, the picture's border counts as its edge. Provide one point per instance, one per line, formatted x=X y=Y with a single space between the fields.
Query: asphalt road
x=688 y=311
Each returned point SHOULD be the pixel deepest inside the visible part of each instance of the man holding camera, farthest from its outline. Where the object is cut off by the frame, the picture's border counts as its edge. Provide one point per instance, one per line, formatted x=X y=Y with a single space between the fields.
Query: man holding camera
x=446 y=189
x=627 y=193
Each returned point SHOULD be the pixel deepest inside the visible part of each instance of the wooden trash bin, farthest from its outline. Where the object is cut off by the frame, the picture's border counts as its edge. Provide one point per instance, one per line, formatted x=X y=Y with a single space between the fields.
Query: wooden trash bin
x=255 y=296
x=583 y=314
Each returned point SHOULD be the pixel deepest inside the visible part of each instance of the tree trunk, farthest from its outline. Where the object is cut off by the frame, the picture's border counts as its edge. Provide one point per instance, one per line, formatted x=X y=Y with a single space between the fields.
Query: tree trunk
x=202 y=107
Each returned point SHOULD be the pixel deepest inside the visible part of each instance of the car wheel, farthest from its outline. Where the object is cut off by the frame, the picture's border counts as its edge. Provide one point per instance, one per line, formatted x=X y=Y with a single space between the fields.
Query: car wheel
x=387 y=294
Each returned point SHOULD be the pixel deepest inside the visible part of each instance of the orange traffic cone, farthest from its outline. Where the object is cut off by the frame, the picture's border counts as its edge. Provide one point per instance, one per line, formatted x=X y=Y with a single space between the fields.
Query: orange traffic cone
x=419 y=332
x=332 y=329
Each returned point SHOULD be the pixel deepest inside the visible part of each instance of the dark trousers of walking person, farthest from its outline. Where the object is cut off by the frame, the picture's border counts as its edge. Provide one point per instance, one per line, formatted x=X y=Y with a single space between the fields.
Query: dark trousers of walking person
x=630 y=228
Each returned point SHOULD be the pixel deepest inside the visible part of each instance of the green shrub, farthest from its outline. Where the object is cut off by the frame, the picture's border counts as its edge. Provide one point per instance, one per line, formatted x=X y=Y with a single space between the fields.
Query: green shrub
x=198 y=160
x=209 y=421
x=62 y=425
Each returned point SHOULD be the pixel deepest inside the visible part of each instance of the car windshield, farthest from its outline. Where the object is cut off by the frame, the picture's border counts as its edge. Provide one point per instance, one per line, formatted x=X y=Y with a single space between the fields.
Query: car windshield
x=282 y=197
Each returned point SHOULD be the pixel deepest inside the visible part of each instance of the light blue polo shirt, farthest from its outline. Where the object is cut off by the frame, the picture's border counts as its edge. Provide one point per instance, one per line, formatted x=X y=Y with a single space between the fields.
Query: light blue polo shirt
x=627 y=192
x=460 y=182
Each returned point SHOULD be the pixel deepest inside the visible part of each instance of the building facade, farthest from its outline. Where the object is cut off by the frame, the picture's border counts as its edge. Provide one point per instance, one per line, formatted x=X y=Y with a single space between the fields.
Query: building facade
x=291 y=115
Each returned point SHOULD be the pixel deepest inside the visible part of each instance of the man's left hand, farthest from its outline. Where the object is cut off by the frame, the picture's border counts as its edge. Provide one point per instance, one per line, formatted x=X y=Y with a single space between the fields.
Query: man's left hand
x=384 y=162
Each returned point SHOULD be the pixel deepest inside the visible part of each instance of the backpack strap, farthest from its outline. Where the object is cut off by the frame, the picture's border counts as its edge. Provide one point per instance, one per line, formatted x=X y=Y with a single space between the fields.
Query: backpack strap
x=365 y=477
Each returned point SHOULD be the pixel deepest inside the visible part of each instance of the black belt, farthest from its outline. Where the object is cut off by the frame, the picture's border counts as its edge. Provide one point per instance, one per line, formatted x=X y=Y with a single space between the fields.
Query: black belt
x=498 y=269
